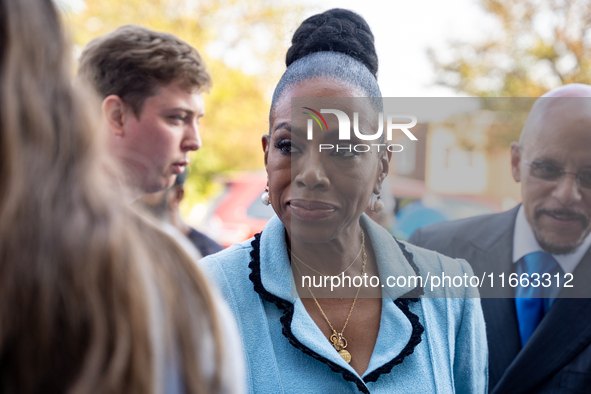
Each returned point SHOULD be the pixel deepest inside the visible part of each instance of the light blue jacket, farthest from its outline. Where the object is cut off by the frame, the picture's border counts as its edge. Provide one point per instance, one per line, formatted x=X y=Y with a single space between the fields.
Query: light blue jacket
x=432 y=344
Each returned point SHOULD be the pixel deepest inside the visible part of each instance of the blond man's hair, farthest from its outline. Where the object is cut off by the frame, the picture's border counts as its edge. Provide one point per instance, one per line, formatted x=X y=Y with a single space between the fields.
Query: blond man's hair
x=132 y=62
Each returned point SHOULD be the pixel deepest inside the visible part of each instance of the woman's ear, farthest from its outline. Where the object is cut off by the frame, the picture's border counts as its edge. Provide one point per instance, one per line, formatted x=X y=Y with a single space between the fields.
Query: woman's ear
x=114 y=113
x=266 y=140
x=383 y=169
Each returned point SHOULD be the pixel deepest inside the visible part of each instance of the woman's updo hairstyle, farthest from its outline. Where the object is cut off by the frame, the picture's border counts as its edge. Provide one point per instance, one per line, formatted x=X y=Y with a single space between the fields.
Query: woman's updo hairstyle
x=335 y=30
x=337 y=44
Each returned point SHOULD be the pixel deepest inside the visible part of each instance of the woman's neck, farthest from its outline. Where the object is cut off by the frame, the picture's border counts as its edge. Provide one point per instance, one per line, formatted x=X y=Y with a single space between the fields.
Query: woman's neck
x=332 y=257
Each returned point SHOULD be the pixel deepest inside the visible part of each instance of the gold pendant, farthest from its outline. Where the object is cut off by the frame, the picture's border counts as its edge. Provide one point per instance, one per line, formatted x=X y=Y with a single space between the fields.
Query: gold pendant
x=345 y=355
x=340 y=343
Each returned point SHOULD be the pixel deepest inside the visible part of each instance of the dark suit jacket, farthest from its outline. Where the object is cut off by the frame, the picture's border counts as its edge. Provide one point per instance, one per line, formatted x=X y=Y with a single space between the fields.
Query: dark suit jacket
x=557 y=358
x=203 y=243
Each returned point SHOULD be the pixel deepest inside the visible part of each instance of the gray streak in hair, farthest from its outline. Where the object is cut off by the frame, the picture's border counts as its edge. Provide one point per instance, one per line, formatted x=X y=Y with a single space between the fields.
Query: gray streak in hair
x=333 y=65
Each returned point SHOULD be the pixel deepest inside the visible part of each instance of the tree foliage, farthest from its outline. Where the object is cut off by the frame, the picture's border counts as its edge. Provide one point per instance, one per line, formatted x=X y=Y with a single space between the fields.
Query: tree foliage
x=241 y=34
x=538 y=45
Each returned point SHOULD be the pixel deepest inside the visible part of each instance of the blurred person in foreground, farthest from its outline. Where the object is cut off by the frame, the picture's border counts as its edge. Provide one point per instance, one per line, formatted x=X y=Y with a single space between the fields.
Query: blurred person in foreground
x=539 y=336
x=164 y=205
x=359 y=338
x=151 y=85
x=93 y=298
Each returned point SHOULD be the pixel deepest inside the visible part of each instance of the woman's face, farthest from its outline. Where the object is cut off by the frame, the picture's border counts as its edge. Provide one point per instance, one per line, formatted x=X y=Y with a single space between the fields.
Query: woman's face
x=319 y=194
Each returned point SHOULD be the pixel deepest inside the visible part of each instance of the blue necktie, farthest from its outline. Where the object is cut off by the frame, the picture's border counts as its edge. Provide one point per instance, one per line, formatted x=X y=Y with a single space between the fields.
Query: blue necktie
x=531 y=303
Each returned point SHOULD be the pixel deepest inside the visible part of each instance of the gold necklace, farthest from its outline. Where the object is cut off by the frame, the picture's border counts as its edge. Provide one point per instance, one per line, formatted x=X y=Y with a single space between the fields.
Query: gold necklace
x=337 y=339
x=346 y=269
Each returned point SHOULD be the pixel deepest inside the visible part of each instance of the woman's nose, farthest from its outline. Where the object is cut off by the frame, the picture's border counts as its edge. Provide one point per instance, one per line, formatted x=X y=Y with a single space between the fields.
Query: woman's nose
x=312 y=174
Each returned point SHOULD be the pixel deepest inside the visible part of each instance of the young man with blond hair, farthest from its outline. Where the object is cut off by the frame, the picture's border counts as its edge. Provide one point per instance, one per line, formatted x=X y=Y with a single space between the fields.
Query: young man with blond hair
x=151 y=85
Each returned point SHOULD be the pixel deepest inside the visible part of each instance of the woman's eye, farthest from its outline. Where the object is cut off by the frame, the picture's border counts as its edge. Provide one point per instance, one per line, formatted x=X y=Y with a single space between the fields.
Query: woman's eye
x=284 y=146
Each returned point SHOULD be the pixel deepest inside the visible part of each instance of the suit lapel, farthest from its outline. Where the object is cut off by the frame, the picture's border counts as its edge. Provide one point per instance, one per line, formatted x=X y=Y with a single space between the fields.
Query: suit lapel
x=502 y=334
x=562 y=334
x=580 y=280
x=495 y=252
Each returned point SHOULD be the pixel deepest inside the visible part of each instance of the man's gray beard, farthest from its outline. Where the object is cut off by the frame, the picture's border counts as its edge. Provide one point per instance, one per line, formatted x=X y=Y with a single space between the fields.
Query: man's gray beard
x=562 y=249
x=559 y=249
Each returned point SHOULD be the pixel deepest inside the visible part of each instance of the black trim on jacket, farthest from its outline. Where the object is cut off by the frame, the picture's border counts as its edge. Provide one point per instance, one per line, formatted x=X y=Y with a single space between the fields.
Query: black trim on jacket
x=288 y=308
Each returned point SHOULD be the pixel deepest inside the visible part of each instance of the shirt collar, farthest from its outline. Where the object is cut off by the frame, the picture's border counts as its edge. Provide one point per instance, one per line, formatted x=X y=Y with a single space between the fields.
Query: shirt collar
x=524 y=242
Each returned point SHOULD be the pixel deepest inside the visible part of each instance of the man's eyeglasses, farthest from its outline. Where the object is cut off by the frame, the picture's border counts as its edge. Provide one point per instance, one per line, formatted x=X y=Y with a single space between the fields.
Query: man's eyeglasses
x=550 y=172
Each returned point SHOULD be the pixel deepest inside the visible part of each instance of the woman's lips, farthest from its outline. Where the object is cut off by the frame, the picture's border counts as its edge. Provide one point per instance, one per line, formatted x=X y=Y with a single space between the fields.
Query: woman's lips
x=311 y=210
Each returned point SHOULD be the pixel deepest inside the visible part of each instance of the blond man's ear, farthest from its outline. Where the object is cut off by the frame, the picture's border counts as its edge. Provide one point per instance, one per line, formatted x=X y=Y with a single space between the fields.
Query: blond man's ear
x=114 y=112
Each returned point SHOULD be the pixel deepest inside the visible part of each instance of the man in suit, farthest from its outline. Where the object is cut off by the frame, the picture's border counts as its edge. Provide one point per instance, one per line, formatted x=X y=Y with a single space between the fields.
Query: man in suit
x=539 y=342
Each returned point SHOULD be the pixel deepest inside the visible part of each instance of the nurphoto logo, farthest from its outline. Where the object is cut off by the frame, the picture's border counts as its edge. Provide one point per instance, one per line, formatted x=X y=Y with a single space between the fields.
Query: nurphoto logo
x=345 y=129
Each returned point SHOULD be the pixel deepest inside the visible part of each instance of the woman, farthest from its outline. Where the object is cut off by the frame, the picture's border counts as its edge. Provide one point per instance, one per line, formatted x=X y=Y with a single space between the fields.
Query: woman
x=93 y=299
x=305 y=341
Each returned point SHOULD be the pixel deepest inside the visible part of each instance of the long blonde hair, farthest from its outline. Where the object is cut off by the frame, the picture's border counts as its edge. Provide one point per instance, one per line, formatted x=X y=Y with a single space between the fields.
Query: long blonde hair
x=92 y=297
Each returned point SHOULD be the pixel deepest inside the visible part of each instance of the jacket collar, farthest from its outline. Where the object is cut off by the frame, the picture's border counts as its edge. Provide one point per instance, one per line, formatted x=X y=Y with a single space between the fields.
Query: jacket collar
x=277 y=278
x=272 y=279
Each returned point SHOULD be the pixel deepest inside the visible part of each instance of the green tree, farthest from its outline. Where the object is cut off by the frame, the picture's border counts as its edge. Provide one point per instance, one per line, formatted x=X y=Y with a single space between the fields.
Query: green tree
x=538 y=45
x=238 y=104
